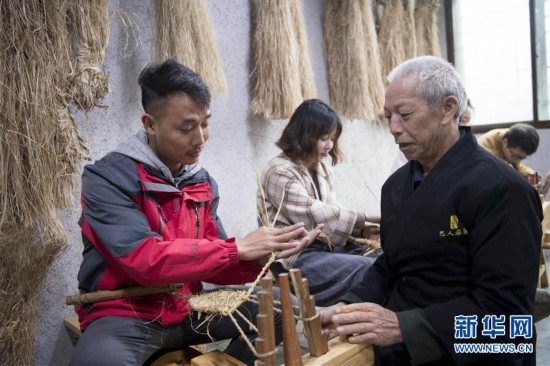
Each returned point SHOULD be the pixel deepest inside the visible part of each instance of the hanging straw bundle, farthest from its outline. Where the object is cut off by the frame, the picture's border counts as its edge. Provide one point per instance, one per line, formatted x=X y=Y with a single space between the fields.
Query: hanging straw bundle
x=183 y=31
x=91 y=29
x=355 y=85
x=409 y=34
x=40 y=153
x=282 y=77
x=305 y=69
x=375 y=78
x=392 y=35
x=426 y=28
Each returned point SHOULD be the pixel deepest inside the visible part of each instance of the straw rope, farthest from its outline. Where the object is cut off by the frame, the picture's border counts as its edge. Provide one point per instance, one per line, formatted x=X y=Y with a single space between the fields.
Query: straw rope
x=183 y=31
x=282 y=76
x=227 y=302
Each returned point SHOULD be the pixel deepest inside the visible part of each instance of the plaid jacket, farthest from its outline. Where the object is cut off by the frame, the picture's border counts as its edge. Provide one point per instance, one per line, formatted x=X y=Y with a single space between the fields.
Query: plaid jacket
x=289 y=189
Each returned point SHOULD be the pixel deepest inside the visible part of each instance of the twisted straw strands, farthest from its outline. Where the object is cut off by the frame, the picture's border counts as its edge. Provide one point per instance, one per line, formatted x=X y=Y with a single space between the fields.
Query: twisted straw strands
x=90 y=22
x=183 y=31
x=426 y=28
x=354 y=71
x=282 y=77
x=40 y=153
x=226 y=302
x=370 y=246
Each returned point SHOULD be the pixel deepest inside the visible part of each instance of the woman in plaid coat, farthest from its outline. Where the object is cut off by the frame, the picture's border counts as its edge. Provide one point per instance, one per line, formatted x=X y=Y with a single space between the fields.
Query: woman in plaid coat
x=297 y=186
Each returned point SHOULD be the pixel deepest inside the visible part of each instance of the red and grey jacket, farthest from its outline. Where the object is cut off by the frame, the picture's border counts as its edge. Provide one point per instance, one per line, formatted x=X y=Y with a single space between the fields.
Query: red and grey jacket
x=140 y=230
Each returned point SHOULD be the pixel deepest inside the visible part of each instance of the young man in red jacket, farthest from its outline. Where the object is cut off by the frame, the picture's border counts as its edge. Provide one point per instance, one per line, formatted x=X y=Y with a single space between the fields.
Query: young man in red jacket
x=149 y=218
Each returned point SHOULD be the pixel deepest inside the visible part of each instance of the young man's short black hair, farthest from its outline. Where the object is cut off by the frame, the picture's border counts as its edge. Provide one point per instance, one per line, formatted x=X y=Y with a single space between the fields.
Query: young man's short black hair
x=160 y=80
x=523 y=136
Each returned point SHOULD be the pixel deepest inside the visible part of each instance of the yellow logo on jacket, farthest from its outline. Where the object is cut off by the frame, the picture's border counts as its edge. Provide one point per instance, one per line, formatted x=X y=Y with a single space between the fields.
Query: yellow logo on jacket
x=455 y=228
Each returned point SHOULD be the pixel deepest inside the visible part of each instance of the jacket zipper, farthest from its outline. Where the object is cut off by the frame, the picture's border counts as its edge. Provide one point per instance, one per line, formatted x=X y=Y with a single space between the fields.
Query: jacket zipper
x=198 y=219
x=162 y=217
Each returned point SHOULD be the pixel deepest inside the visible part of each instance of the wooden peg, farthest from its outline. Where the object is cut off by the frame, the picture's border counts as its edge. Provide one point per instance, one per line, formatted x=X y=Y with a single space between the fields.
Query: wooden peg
x=297 y=284
x=291 y=345
x=266 y=328
x=317 y=343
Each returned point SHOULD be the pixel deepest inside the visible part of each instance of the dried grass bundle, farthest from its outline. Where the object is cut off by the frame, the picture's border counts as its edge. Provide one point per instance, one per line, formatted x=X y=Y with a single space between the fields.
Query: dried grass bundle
x=409 y=34
x=132 y=33
x=40 y=152
x=218 y=302
x=391 y=36
x=282 y=77
x=306 y=72
x=354 y=75
x=90 y=22
x=375 y=78
x=369 y=246
x=183 y=31
x=426 y=28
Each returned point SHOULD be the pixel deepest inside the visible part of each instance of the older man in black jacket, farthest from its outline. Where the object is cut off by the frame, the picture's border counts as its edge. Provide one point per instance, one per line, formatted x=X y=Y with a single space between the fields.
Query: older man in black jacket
x=461 y=237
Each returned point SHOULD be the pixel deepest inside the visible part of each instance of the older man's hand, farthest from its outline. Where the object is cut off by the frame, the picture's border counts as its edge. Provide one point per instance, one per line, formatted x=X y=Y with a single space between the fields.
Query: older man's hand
x=365 y=323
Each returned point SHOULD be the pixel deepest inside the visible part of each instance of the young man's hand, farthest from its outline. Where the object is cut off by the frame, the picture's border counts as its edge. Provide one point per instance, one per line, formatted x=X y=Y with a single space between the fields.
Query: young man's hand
x=260 y=243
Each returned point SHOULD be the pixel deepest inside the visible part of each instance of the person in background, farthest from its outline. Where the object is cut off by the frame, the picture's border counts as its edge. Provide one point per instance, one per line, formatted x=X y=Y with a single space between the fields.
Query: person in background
x=297 y=186
x=513 y=145
x=149 y=217
x=460 y=231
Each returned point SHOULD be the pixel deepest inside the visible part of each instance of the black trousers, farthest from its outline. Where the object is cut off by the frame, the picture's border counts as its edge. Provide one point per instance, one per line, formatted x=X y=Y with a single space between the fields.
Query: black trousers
x=116 y=340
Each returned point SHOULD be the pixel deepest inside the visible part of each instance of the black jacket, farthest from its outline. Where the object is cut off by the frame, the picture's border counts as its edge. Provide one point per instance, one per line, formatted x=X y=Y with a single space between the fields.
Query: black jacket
x=466 y=241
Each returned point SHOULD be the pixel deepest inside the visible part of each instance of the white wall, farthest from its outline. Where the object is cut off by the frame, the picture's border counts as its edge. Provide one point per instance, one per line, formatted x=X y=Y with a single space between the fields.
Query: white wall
x=540 y=161
x=237 y=143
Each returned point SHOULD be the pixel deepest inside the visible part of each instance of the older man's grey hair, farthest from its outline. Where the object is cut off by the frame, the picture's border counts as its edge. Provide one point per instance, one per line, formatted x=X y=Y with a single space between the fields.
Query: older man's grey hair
x=437 y=80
